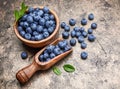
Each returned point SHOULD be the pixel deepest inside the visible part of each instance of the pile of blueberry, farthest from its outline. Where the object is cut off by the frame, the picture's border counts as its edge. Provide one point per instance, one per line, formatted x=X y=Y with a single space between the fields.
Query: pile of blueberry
x=36 y=24
x=80 y=33
x=52 y=51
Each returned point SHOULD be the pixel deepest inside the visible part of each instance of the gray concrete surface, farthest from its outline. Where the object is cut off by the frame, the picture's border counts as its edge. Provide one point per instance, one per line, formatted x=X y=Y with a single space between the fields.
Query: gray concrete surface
x=99 y=71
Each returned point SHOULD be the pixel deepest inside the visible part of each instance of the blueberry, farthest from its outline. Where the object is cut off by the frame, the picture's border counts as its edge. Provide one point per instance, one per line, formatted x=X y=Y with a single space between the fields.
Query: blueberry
x=26 y=24
x=20 y=28
x=67 y=28
x=84 y=34
x=24 y=55
x=82 y=29
x=72 y=22
x=48 y=59
x=91 y=37
x=80 y=39
x=65 y=35
x=93 y=25
x=29 y=30
x=46 y=9
x=67 y=48
x=41 y=58
x=45 y=55
x=90 y=31
x=46 y=18
x=50 y=30
x=33 y=38
x=76 y=29
x=50 y=48
x=83 y=45
x=33 y=26
x=28 y=36
x=46 y=34
x=29 y=19
x=73 y=33
x=38 y=37
x=30 y=9
x=40 y=12
x=22 y=33
x=45 y=30
x=51 y=17
x=39 y=28
x=35 y=33
x=24 y=17
x=52 y=55
x=78 y=34
x=63 y=24
x=84 y=55
x=61 y=44
x=83 y=21
x=51 y=22
x=91 y=16
x=21 y=24
x=47 y=24
x=57 y=51
x=37 y=9
x=42 y=21
x=72 y=42
x=36 y=18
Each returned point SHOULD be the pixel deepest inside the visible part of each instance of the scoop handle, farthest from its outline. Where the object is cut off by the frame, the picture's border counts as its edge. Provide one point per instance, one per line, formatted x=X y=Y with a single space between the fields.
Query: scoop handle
x=26 y=73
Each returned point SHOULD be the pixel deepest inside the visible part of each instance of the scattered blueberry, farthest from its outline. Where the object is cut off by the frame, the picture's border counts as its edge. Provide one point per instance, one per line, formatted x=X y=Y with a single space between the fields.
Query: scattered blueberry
x=91 y=16
x=91 y=37
x=84 y=34
x=72 y=42
x=93 y=25
x=84 y=55
x=83 y=21
x=73 y=33
x=76 y=29
x=77 y=34
x=63 y=24
x=83 y=45
x=65 y=35
x=82 y=29
x=90 y=31
x=24 y=55
x=80 y=39
x=67 y=28
x=72 y=22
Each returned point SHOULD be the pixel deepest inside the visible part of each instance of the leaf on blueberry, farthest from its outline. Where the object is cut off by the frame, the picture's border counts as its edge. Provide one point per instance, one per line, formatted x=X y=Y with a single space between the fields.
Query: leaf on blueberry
x=21 y=12
x=68 y=68
x=56 y=71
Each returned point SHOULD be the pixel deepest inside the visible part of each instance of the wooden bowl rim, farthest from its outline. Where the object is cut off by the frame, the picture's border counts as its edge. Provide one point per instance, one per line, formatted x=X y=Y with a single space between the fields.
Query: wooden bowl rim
x=41 y=41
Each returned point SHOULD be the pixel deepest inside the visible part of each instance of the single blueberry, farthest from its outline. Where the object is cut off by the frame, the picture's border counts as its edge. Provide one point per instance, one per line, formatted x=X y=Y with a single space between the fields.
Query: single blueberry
x=73 y=33
x=28 y=36
x=63 y=24
x=45 y=30
x=82 y=29
x=21 y=24
x=93 y=25
x=48 y=24
x=29 y=30
x=50 y=48
x=22 y=33
x=84 y=55
x=83 y=21
x=46 y=34
x=65 y=35
x=72 y=42
x=46 y=9
x=20 y=28
x=46 y=18
x=67 y=28
x=33 y=38
x=25 y=25
x=51 y=22
x=67 y=48
x=39 y=28
x=91 y=16
x=41 y=58
x=83 y=45
x=38 y=37
x=46 y=55
x=31 y=9
x=80 y=39
x=29 y=19
x=50 y=30
x=72 y=22
x=42 y=21
x=91 y=37
x=84 y=34
x=90 y=31
x=33 y=26
x=52 y=55
x=24 y=55
x=24 y=17
x=61 y=44
x=57 y=51
x=36 y=18
x=76 y=29
x=51 y=17
x=40 y=12
x=35 y=33
x=77 y=34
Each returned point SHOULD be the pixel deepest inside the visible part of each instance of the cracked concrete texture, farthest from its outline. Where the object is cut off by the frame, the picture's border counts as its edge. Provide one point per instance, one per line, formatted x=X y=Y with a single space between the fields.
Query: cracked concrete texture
x=99 y=71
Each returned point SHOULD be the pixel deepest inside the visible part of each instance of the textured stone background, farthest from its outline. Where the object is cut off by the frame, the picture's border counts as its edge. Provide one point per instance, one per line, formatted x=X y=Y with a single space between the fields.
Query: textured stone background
x=99 y=71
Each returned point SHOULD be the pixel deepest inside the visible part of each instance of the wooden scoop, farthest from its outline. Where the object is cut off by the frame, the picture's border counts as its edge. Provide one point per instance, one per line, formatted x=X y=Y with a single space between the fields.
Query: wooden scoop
x=26 y=73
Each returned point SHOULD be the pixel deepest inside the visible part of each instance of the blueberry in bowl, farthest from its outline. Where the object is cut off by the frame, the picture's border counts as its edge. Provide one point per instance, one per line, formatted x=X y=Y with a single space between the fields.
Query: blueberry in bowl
x=38 y=27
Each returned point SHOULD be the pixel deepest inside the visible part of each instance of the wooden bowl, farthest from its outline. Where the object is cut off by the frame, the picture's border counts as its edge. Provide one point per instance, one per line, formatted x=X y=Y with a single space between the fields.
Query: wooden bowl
x=25 y=74
x=41 y=43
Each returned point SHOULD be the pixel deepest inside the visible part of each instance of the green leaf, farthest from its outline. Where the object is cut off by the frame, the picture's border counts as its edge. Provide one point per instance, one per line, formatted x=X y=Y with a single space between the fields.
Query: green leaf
x=56 y=71
x=16 y=14
x=68 y=68
x=23 y=5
